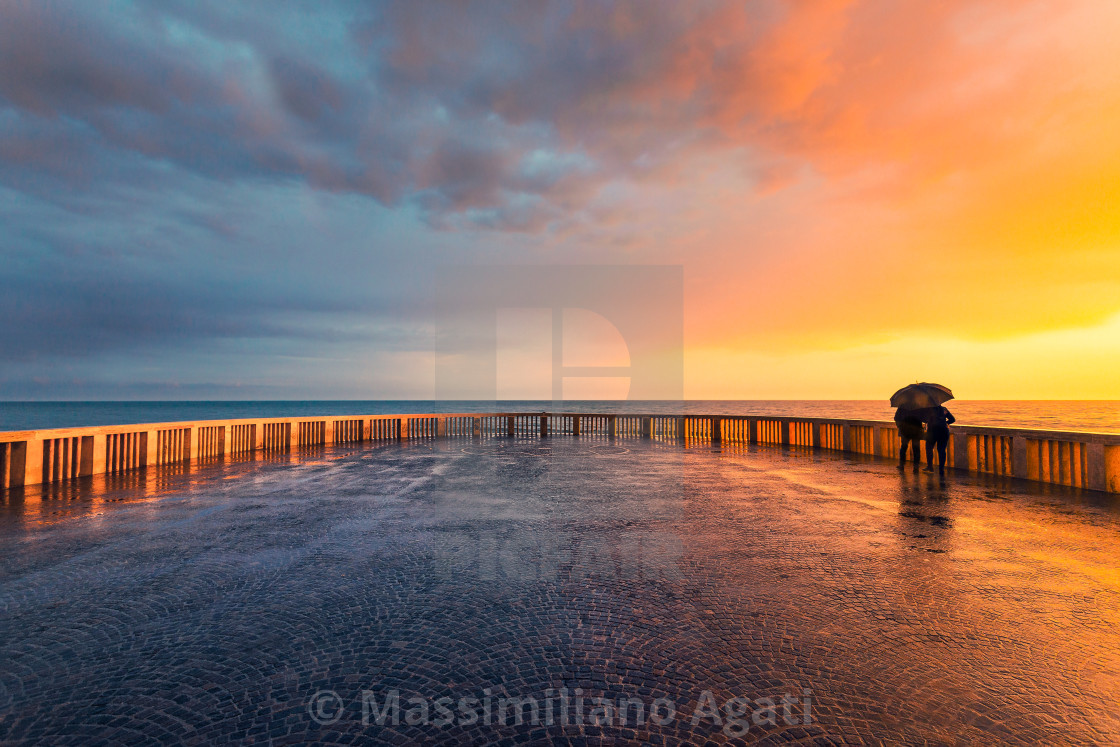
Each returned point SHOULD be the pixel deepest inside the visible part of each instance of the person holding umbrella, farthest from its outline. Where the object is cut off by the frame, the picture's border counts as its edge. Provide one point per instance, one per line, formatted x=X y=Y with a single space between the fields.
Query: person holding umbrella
x=918 y=403
x=938 y=420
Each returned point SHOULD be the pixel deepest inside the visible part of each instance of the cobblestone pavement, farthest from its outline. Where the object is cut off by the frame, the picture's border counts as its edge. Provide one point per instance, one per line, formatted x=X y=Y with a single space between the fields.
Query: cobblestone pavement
x=287 y=600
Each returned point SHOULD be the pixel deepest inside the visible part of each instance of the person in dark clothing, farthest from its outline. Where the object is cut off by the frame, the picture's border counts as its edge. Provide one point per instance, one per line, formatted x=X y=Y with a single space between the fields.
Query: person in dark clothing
x=909 y=424
x=938 y=420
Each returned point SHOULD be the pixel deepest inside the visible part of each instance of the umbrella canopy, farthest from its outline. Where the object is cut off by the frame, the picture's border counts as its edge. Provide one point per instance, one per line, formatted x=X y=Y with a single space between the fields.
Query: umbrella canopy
x=920 y=396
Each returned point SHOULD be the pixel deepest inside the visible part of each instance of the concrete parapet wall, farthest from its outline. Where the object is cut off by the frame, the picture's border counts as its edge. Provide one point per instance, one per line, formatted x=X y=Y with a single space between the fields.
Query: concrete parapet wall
x=1083 y=460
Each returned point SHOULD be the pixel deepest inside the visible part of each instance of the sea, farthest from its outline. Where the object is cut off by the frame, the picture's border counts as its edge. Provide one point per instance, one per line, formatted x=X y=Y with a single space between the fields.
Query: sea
x=1097 y=416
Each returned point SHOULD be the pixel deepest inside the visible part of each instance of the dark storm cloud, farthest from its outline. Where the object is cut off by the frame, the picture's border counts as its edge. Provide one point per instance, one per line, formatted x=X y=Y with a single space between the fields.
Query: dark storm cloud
x=130 y=134
x=461 y=110
x=443 y=104
x=189 y=170
x=306 y=91
x=76 y=80
x=64 y=59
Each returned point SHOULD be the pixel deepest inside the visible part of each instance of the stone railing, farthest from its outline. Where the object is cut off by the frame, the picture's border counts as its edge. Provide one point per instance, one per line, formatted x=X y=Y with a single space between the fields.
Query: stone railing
x=1082 y=460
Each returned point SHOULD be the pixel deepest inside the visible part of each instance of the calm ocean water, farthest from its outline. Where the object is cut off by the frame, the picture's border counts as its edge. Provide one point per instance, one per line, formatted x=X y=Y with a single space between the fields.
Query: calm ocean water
x=1102 y=416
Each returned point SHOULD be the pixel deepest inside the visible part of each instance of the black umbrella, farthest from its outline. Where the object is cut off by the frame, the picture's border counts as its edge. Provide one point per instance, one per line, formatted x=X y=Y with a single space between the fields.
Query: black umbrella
x=921 y=396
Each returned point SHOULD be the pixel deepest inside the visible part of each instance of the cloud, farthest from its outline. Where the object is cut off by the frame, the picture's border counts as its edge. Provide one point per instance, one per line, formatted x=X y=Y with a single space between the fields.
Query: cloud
x=450 y=106
x=192 y=171
x=306 y=91
x=62 y=59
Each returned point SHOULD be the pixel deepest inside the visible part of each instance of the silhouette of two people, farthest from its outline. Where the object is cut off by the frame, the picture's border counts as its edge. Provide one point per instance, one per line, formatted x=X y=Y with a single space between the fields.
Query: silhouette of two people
x=932 y=425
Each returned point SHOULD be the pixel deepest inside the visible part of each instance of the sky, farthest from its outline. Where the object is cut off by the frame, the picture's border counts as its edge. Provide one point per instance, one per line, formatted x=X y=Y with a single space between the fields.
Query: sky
x=212 y=200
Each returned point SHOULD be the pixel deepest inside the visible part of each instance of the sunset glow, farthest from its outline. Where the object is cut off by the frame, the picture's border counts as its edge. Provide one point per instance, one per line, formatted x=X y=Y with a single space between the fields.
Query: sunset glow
x=201 y=201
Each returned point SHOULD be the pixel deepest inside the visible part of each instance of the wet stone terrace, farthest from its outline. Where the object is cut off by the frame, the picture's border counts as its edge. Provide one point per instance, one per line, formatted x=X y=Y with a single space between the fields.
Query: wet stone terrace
x=288 y=600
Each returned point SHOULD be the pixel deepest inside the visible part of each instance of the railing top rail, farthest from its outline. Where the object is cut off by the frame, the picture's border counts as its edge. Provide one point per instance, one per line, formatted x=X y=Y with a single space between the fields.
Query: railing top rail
x=1030 y=433
x=96 y=430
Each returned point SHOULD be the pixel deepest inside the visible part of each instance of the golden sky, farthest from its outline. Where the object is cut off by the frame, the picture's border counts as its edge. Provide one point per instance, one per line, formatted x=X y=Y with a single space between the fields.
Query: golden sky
x=944 y=205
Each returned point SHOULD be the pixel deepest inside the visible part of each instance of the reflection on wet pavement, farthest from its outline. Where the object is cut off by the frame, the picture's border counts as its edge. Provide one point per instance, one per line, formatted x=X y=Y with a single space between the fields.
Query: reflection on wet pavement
x=220 y=604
